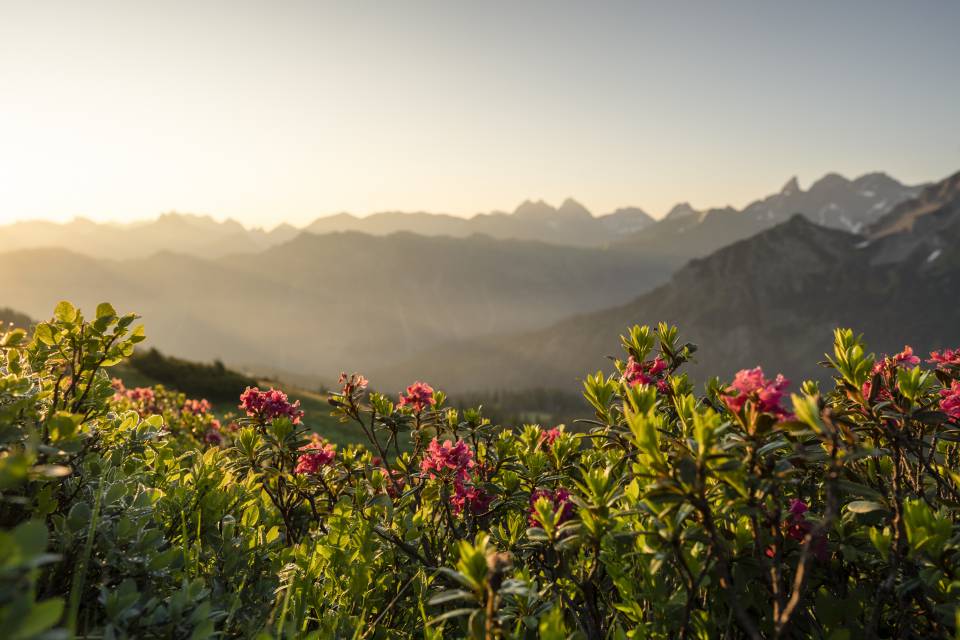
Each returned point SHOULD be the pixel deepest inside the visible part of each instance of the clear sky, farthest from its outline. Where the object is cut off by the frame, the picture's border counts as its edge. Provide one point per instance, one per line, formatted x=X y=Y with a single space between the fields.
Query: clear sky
x=269 y=111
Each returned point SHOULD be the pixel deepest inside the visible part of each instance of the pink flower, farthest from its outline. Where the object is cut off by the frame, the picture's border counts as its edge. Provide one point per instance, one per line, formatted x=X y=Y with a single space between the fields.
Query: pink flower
x=548 y=437
x=352 y=384
x=267 y=405
x=468 y=496
x=635 y=373
x=395 y=486
x=196 y=407
x=950 y=400
x=440 y=460
x=561 y=502
x=318 y=453
x=885 y=368
x=751 y=385
x=419 y=396
x=798 y=507
x=946 y=358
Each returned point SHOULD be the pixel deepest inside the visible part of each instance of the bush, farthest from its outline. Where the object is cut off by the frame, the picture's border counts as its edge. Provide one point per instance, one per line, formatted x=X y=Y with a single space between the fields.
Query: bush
x=736 y=513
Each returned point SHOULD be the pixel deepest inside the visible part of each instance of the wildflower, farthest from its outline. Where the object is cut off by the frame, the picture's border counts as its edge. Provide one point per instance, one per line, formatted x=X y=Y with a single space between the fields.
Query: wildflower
x=394 y=487
x=196 y=407
x=750 y=384
x=318 y=453
x=797 y=528
x=351 y=384
x=635 y=373
x=885 y=368
x=561 y=502
x=946 y=358
x=469 y=496
x=548 y=437
x=950 y=400
x=419 y=396
x=267 y=405
x=439 y=459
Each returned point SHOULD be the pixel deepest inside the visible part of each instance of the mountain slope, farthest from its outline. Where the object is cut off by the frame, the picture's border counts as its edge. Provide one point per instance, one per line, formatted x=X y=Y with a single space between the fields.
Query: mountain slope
x=319 y=304
x=772 y=299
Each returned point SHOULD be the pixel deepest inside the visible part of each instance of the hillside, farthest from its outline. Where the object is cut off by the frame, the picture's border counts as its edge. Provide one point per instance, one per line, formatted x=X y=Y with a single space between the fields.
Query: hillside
x=772 y=299
x=319 y=304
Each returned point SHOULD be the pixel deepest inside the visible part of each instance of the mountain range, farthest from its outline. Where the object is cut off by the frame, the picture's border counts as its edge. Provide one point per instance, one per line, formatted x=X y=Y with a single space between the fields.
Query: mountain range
x=685 y=232
x=472 y=304
x=772 y=299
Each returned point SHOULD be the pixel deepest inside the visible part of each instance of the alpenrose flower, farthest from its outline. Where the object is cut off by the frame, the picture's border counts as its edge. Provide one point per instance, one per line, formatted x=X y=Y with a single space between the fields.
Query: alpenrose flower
x=354 y=383
x=548 y=437
x=467 y=495
x=885 y=368
x=316 y=454
x=448 y=460
x=419 y=396
x=751 y=385
x=267 y=405
x=561 y=502
x=635 y=373
x=197 y=407
x=950 y=400
x=946 y=358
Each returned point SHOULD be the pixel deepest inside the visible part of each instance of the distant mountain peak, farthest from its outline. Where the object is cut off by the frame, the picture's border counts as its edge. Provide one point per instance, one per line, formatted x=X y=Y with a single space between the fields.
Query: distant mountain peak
x=531 y=208
x=792 y=186
x=572 y=208
x=680 y=210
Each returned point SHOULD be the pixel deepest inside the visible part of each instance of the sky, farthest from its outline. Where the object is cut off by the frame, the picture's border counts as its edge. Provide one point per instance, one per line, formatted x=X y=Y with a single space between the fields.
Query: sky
x=285 y=111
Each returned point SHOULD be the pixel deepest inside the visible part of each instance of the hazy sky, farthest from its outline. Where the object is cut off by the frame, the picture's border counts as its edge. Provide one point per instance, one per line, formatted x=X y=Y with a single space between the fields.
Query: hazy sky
x=270 y=111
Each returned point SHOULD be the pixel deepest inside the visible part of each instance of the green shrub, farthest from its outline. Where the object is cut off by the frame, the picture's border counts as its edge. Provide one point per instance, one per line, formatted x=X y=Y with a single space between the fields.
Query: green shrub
x=739 y=512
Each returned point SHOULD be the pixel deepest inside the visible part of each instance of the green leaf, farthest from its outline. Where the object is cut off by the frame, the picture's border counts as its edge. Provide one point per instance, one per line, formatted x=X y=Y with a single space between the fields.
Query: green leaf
x=65 y=312
x=105 y=310
x=42 y=616
x=864 y=506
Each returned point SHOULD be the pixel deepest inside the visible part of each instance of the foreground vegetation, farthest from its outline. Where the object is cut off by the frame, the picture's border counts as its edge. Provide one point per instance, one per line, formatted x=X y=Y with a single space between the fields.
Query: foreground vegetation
x=740 y=512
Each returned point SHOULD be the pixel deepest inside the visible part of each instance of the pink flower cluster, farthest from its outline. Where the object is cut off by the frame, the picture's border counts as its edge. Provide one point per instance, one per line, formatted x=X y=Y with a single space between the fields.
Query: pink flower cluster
x=448 y=459
x=197 y=407
x=455 y=460
x=268 y=405
x=213 y=436
x=885 y=369
x=316 y=454
x=351 y=384
x=945 y=359
x=751 y=385
x=648 y=372
x=419 y=396
x=470 y=497
x=798 y=527
x=561 y=502
x=950 y=400
x=548 y=437
x=143 y=397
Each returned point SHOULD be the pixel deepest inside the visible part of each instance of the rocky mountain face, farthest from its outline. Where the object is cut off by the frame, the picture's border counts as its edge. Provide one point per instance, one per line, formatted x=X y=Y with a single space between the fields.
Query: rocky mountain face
x=773 y=299
x=832 y=201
